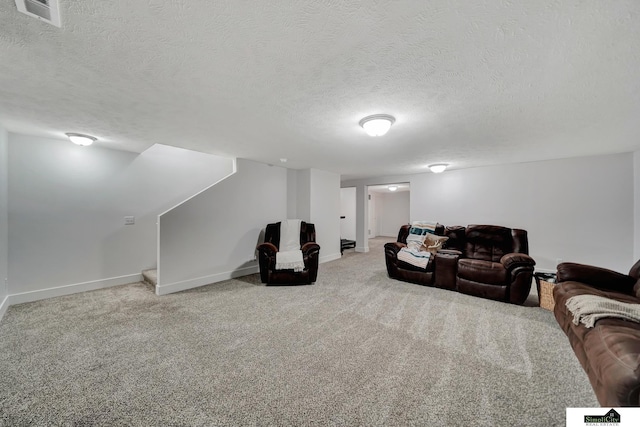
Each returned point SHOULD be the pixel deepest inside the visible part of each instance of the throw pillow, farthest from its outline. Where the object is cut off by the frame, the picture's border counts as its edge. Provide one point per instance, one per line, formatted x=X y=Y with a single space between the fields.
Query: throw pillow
x=432 y=243
x=415 y=241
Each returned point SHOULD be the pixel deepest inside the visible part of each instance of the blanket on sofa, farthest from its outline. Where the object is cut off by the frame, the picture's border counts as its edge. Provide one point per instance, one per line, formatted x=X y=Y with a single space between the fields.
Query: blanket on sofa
x=421 y=243
x=414 y=257
x=587 y=309
x=289 y=255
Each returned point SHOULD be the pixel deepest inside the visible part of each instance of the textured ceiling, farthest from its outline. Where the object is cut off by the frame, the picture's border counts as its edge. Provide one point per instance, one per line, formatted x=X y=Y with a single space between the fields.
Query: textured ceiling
x=470 y=82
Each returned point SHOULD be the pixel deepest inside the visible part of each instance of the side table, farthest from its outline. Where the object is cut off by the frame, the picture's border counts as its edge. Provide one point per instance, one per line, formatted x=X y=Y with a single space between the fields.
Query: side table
x=544 y=285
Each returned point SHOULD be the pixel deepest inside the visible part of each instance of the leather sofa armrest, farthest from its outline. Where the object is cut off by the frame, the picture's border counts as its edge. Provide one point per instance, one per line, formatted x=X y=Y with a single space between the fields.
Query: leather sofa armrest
x=451 y=252
x=269 y=249
x=513 y=260
x=392 y=248
x=266 y=259
x=446 y=268
x=310 y=248
x=596 y=277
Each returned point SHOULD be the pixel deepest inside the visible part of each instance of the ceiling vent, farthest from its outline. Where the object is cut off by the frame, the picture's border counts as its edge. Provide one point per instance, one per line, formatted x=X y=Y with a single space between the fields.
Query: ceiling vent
x=44 y=10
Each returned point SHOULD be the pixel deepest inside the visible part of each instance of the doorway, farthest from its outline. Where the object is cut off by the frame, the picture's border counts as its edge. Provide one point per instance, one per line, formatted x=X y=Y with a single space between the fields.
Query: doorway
x=389 y=208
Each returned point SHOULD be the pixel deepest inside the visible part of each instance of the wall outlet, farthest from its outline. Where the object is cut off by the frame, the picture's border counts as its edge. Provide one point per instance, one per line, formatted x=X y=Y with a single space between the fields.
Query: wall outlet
x=129 y=220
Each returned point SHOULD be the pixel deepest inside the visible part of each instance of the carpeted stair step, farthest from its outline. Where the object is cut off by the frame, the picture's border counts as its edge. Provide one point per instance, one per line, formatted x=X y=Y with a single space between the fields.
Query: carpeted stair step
x=150 y=277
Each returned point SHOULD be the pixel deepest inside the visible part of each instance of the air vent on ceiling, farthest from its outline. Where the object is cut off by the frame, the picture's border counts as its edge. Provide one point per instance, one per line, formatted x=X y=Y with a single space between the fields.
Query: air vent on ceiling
x=44 y=10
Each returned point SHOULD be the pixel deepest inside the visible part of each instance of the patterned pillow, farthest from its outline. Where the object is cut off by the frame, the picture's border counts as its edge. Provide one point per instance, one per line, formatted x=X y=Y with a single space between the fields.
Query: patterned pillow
x=432 y=243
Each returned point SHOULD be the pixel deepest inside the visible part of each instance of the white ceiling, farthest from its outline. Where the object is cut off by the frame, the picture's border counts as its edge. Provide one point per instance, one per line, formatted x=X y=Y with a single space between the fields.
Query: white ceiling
x=470 y=83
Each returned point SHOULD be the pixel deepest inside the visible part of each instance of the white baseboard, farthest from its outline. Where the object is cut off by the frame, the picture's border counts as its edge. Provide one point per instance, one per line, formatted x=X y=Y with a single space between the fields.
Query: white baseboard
x=73 y=289
x=170 y=288
x=4 y=305
x=362 y=248
x=330 y=257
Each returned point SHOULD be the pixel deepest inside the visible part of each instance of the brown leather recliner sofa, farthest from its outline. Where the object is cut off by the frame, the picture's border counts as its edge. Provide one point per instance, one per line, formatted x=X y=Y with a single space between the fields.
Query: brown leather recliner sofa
x=609 y=352
x=488 y=261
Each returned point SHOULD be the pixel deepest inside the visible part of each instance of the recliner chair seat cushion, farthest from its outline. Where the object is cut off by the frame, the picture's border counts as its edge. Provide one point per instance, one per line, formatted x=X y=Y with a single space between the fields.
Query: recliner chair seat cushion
x=491 y=273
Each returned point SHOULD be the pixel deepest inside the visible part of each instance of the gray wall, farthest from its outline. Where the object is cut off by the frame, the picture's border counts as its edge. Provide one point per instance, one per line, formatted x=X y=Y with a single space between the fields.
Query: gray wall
x=636 y=210
x=374 y=219
x=67 y=208
x=303 y=195
x=4 y=218
x=317 y=200
x=213 y=236
x=393 y=212
x=578 y=209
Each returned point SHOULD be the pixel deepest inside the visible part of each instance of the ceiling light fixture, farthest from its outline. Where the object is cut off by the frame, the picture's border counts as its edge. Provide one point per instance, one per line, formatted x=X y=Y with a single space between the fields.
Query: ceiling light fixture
x=392 y=187
x=378 y=124
x=438 y=167
x=80 y=139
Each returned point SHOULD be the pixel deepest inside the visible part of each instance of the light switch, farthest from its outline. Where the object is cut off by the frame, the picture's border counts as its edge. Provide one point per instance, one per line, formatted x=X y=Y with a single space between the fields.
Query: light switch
x=129 y=220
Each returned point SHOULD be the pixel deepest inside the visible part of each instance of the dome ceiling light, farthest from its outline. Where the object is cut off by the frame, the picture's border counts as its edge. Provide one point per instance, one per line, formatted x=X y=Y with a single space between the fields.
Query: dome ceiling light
x=80 y=139
x=393 y=188
x=378 y=124
x=438 y=167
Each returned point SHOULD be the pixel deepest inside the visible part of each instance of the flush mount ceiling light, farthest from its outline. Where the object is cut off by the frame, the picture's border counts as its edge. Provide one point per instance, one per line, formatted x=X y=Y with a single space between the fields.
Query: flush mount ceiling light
x=392 y=187
x=80 y=139
x=438 y=167
x=378 y=124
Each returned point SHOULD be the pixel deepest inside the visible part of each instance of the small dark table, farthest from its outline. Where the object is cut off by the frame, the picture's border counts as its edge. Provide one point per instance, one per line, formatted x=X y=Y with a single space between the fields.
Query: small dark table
x=346 y=244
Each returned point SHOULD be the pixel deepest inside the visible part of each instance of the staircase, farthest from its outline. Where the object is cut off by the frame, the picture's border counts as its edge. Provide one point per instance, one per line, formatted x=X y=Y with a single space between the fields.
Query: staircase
x=150 y=277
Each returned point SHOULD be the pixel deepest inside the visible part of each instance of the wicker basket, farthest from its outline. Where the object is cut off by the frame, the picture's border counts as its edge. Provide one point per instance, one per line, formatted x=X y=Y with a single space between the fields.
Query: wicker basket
x=546 y=295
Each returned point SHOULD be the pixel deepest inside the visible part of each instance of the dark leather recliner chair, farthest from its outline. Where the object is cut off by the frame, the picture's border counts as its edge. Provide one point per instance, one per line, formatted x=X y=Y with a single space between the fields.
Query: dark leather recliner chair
x=267 y=257
x=495 y=263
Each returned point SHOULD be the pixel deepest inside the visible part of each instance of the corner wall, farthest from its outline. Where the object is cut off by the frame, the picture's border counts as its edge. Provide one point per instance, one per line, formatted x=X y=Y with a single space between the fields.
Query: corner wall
x=213 y=236
x=67 y=206
x=578 y=209
x=4 y=220
x=317 y=195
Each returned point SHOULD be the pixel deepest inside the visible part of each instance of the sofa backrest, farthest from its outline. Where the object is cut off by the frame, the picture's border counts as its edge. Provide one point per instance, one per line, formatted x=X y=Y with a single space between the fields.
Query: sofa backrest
x=404 y=232
x=456 y=235
x=484 y=242
x=492 y=242
x=635 y=273
x=307 y=233
x=635 y=270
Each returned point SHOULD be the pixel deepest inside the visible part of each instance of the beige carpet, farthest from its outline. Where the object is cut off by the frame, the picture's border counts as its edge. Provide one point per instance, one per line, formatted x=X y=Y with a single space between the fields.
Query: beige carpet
x=356 y=348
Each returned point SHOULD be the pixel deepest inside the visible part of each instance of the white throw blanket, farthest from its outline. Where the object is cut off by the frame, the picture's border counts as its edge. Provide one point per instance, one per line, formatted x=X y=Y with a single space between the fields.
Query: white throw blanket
x=414 y=257
x=289 y=255
x=412 y=254
x=590 y=308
